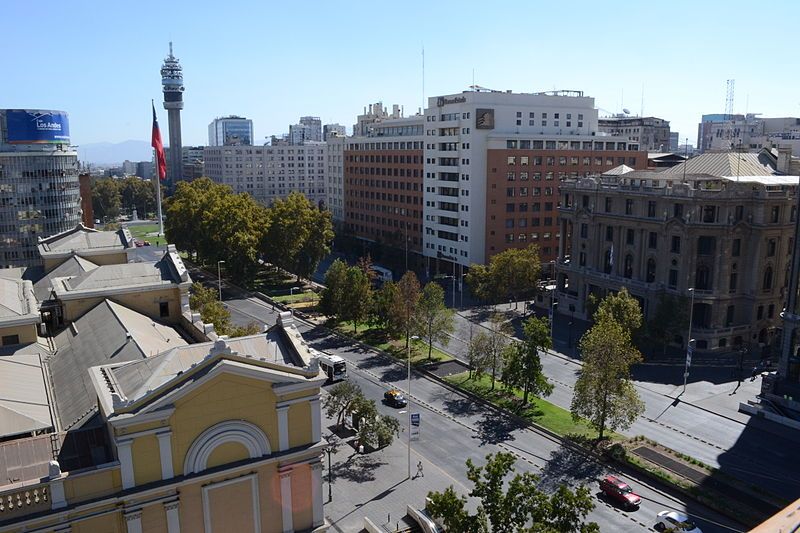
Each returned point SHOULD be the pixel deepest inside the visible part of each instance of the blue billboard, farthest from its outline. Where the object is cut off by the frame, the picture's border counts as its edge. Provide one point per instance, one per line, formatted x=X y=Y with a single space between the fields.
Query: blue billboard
x=37 y=126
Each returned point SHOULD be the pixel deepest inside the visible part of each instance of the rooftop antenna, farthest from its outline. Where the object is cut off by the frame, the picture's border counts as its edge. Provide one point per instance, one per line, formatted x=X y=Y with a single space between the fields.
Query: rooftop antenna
x=729 y=99
x=686 y=155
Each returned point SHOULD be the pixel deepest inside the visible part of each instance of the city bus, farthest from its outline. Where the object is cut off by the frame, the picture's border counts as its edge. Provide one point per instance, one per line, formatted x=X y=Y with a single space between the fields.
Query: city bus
x=333 y=366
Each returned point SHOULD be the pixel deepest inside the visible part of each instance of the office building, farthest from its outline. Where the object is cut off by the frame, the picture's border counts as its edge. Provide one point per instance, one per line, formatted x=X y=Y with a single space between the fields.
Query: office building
x=172 y=85
x=331 y=129
x=230 y=130
x=674 y=141
x=651 y=133
x=720 y=133
x=372 y=114
x=717 y=229
x=334 y=175
x=492 y=166
x=308 y=129
x=39 y=186
x=383 y=183
x=270 y=172
x=134 y=415
x=191 y=161
x=145 y=169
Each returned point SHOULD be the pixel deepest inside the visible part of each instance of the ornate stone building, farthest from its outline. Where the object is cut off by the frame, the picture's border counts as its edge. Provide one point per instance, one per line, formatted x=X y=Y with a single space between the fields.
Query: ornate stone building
x=719 y=225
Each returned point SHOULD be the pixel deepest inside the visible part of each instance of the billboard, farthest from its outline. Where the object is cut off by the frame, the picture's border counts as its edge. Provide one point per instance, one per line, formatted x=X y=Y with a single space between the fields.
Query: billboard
x=37 y=126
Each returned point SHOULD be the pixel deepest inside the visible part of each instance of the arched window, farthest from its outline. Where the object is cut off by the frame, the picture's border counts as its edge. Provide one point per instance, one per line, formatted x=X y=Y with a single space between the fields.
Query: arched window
x=628 y=271
x=607 y=262
x=767 y=278
x=248 y=435
x=651 y=270
x=702 y=278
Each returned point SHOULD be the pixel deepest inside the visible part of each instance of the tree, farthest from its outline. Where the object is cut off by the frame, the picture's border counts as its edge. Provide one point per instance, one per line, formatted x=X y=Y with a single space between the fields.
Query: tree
x=510 y=274
x=513 y=506
x=204 y=300
x=382 y=302
x=317 y=243
x=357 y=298
x=604 y=393
x=670 y=320
x=186 y=214
x=333 y=295
x=342 y=400
x=479 y=282
x=404 y=308
x=522 y=366
x=106 y=201
x=486 y=348
x=623 y=308
x=138 y=193
x=433 y=319
x=375 y=430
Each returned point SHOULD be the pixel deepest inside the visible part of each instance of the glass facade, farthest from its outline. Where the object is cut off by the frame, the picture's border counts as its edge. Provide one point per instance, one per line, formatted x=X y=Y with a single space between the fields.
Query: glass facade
x=39 y=197
x=230 y=131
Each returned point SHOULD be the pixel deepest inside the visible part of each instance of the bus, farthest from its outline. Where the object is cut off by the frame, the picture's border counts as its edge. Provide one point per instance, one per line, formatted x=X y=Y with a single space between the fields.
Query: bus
x=382 y=274
x=333 y=366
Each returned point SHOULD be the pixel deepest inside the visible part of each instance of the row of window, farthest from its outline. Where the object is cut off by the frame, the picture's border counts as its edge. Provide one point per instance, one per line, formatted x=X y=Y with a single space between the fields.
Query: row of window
x=523 y=191
x=514 y=144
x=383 y=184
x=396 y=145
x=383 y=171
x=574 y=161
x=372 y=158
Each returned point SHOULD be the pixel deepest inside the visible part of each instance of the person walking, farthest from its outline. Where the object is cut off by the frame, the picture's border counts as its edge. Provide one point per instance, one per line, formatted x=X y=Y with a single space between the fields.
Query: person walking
x=420 y=473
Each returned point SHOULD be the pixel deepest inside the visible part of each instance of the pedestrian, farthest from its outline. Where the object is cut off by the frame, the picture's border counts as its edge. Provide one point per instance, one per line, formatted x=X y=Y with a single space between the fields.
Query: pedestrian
x=420 y=473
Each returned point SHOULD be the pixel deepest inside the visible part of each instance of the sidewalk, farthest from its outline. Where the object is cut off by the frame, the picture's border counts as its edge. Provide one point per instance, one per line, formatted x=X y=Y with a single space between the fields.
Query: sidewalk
x=375 y=485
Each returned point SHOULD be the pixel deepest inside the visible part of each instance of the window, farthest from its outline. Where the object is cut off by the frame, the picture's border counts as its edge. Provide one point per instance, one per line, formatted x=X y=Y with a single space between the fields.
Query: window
x=651 y=270
x=673 y=278
x=771 y=311
x=582 y=259
x=771 y=245
x=584 y=231
x=608 y=204
x=733 y=281
x=675 y=245
x=509 y=223
x=629 y=235
x=760 y=312
x=609 y=233
x=767 y=285
x=729 y=314
x=706 y=245
x=702 y=278
x=651 y=209
x=628 y=270
x=512 y=160
x=738 y=213
x=163 y=309
x=736 y=247
x=629 y=207
x=607 y=262
x=652 y=240
x=8 y=340
x=710 y=213
x=509 y=208
x=677 y=210
x=511 y=176
x=775 y=214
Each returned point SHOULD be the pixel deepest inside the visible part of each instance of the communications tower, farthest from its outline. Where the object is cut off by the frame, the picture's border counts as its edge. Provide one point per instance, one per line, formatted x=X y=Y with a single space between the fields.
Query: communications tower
x=172 y=85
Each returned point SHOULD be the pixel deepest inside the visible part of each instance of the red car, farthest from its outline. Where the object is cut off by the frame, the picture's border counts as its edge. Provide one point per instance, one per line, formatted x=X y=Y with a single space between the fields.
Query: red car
x=619 y=491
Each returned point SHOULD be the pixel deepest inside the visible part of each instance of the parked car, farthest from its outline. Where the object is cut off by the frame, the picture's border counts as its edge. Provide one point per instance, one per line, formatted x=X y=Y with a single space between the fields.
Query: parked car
x=620 y=492
x=675 y=521
x=395 y=398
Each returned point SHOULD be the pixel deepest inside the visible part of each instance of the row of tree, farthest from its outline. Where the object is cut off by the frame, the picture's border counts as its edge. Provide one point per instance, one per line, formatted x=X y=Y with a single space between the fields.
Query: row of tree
x=347 y=400
x=400 y=309
x=511 y=274
x=212 y=223
x=111 y=196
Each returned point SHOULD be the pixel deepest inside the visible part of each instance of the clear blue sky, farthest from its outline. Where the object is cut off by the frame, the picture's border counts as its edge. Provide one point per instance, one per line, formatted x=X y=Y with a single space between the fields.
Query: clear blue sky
x=100 y=61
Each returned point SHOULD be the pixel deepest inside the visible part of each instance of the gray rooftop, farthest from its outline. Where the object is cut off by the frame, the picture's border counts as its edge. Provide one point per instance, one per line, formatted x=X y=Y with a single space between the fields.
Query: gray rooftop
x=723 y=164
x=74 y=266
x=81 y=239
x=107 y=334
x=17 y=301
x=23 y=396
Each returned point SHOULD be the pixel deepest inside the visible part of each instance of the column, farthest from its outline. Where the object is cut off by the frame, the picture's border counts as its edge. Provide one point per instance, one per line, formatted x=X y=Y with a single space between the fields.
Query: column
x=57 y=496
x=173 y=516
x=126 y=463
x=133 y=521
x=316 y=494
x=316 y=420
x=286 y=500
x=283 y=428
x=165 y=451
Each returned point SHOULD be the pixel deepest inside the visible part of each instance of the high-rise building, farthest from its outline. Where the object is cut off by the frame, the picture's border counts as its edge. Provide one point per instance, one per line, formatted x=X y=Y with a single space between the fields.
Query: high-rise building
x=270 y=172
x=334 y=175
x=331 y=129
x=172 y=85
x=651 y=133
x=314 y=125
x=372 y=114
x=39 y=186
x=230 y=130
x=191 y=161
x=674 y=141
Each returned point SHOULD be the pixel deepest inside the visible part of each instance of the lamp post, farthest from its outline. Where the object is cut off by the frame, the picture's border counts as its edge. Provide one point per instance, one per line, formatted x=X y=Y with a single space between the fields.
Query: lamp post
x=330 y=448
x=219 y=279
x=408 y=389
x=689 y=347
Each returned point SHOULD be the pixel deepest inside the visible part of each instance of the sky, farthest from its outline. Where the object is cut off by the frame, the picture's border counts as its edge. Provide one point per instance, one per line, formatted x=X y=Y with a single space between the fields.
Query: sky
x=276 y=61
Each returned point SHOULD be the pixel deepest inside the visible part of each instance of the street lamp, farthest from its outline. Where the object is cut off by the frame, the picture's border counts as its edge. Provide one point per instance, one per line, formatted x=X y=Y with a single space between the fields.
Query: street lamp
x=408 y=406
x=689 y=347
x=219 y=279
x=331 y=448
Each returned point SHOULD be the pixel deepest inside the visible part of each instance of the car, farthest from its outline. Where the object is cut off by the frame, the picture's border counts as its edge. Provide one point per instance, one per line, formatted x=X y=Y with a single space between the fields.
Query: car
x=620 y=492
x=677 y=522
x=395 y=398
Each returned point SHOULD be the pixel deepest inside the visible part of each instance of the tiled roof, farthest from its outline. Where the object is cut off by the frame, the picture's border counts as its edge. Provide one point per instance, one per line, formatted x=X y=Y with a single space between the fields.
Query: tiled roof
x=24 y=406
x=80 y=238
x=723 y=164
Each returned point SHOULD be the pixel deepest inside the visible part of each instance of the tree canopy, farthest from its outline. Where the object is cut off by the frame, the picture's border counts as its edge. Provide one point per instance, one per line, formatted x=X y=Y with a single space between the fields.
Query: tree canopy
x=510 y=274
x=433 y=319
x=522 y=363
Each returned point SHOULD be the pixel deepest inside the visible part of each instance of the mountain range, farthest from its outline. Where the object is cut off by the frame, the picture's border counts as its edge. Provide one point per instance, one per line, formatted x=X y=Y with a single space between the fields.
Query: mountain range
x=115 y=153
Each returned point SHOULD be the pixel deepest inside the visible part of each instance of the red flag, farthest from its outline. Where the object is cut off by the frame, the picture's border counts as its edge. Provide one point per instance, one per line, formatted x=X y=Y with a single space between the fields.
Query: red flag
x=161 y=160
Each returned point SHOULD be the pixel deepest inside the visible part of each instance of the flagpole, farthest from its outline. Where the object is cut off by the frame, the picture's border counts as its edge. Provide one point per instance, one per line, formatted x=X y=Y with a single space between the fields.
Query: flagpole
x=158 y=191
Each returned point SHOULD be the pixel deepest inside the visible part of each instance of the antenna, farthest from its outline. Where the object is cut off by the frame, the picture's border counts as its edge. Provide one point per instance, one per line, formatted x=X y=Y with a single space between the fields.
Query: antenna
x=729 y=99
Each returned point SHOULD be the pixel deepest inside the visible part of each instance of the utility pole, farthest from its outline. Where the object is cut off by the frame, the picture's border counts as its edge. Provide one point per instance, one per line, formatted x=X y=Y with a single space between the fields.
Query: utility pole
x=408 y=400
x=689 y=345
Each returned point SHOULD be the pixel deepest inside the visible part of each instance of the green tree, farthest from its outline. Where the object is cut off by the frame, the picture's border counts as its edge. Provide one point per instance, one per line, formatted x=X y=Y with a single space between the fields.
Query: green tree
x=106 y=201
x=622 y=308
x=375 y=430
x=187 y=213
x=342 y=400
x=317 y=243
x=486 y=348
x=670 y=320
x=434 y=320
x=138 y=193
x=333 y=295
x=382 y=302
x=522 y=366
x=604 y=393
x=357 y=301
x=404 y=308
x=514 y=505
x=510 y=274
x=204 y=300
x=479 y=282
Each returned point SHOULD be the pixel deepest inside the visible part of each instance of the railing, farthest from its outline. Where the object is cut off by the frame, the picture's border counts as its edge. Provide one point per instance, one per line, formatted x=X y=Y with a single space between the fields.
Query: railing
x=24 y=500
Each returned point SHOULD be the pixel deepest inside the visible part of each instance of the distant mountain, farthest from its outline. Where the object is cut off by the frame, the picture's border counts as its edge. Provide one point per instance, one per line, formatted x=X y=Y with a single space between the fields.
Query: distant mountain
x=112 y=153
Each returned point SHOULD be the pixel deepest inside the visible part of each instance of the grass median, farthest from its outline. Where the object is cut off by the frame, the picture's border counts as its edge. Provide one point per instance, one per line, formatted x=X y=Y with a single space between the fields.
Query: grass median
x=538 y=411
x=378 y=338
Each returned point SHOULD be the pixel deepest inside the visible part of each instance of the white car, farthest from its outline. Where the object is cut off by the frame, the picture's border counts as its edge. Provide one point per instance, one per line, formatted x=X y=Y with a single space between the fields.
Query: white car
x=674 y=521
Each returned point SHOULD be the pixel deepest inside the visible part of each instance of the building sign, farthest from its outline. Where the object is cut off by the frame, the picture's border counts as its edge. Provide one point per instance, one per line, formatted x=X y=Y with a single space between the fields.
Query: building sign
x=415 y=426
x=484 y=119
x=36 y=126
x=442 y=101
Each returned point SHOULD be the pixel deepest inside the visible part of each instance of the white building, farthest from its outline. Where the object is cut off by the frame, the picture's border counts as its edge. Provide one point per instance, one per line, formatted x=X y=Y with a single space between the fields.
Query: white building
x=372 y=114
x=332 y=129
x=270 y=172
x=230 y=130
x=458 y=131
x=334 y=175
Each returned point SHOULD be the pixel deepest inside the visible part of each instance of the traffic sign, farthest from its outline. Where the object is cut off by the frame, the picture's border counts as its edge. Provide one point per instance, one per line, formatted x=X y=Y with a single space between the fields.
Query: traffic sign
x=415 y=424
x=689 y=352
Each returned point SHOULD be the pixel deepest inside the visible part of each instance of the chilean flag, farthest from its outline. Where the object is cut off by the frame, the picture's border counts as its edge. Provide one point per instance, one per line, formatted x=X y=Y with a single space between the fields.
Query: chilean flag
x=161 y=160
